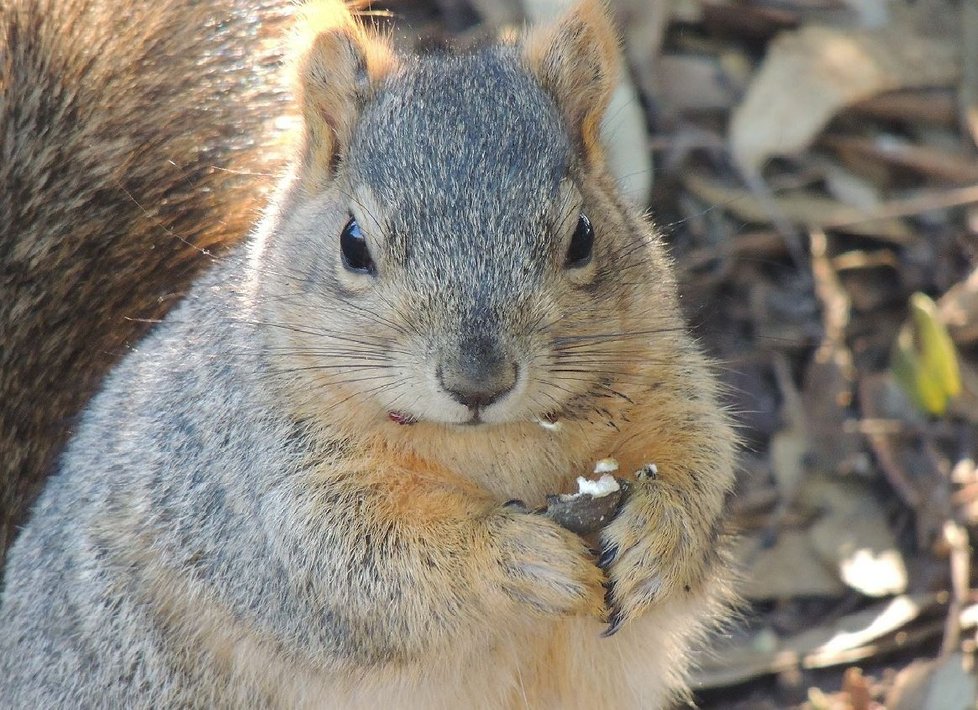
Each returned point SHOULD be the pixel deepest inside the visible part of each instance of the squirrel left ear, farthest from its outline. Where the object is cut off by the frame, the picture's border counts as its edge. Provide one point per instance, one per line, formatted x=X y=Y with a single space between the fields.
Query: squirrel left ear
x=336 y=75
x=577 y=60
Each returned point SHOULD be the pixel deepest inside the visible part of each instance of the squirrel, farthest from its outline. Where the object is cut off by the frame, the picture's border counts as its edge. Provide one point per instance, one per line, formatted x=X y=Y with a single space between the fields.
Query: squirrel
x=131 y=140
x=314 y=483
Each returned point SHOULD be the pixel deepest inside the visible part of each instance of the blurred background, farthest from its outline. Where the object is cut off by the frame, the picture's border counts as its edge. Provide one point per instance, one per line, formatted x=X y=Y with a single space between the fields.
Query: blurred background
x=813 y=165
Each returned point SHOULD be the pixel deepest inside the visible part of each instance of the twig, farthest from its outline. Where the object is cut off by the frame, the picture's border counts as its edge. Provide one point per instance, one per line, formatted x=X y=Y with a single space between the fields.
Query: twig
x=912 y=206
x=956 y=537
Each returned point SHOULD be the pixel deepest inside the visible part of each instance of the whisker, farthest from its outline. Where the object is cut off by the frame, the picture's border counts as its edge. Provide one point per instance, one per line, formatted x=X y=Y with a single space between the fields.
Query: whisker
x=335 y=383
x=621 y=333
x=344 y=368
x=363 y=393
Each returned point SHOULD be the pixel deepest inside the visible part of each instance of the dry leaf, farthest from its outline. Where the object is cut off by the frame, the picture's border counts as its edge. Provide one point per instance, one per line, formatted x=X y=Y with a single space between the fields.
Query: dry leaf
x=809 y=75
x=943 y=684
x=911 y=466
x=853 y=537
x=497 y=13
x=959 y=310
x=800 y=208
x=856 y=687
x=692 y=83
x=844 y=640
x=789 y=568
x=788 y=449
x=849 y=188
x=927 y=106
x=889 y=152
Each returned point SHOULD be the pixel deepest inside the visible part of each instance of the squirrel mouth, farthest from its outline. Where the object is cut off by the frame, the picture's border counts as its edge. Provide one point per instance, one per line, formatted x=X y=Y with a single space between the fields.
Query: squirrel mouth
x=401 y=418
x=549 y=421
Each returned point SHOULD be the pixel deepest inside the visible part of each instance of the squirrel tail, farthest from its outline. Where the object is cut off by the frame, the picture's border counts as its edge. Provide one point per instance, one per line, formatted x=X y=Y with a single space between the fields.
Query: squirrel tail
x=133 y=143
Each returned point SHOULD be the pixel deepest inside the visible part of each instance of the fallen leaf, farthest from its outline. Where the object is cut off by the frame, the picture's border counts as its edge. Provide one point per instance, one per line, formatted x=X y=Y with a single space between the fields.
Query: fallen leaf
x=845 y=640
x=788 y=449
x=958 y=310
x=692 y=83
x=810 y=74
x=940 y=165
x=924 y=360
x=910 y=463
x=931 y=106
x=942 y=684
x=788 y=568
x=802 y=208
x=853 y=537
x=856 y=687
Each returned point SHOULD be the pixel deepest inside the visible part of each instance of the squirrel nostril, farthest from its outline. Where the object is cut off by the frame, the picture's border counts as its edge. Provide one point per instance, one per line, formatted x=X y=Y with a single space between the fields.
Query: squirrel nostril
x=479 y=388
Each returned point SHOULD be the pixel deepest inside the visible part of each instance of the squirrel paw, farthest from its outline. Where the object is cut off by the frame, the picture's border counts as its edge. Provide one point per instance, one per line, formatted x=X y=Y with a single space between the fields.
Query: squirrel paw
x=657 y=547
x=546 y=566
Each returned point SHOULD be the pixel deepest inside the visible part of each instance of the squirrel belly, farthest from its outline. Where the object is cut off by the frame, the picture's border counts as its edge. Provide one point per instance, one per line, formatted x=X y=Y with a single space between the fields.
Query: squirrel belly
x=240 y=520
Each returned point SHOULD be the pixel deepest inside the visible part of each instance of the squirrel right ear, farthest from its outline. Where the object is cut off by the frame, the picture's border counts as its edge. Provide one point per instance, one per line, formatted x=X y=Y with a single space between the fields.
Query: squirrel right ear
x=576 y=59
x=336 y=75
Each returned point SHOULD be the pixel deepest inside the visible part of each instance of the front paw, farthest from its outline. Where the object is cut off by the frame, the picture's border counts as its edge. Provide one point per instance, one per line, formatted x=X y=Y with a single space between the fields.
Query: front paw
x=661 y=544
x=546 y=567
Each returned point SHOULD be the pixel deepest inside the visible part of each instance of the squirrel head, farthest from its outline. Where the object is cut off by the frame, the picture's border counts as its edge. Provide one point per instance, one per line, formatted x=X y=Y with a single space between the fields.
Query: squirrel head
x=454 y=250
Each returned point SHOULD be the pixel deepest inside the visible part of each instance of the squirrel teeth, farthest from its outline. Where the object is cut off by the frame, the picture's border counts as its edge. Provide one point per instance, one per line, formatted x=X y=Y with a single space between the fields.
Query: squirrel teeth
x=549 y=422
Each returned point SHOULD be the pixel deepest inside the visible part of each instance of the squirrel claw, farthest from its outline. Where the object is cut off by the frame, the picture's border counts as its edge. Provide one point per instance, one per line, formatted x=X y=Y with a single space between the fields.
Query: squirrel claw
x=648 y=472
x=608 y=556
x=614 y=623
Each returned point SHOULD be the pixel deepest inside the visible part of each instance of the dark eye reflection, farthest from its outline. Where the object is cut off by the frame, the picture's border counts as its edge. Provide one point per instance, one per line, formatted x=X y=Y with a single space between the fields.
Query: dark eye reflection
x=356 y=254
x=581 y=244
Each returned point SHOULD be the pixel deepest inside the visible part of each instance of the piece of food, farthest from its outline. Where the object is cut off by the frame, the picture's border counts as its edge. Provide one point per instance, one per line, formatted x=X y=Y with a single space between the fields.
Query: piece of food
x=606 y=485
x=608 y=465
x=594 y=504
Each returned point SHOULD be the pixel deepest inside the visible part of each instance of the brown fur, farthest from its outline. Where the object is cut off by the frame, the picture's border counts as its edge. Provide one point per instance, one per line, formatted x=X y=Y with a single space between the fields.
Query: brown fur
x=135 y=140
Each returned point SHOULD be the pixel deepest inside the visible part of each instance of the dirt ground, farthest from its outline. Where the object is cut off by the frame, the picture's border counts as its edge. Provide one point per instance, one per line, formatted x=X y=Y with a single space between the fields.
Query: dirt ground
x=813 y=165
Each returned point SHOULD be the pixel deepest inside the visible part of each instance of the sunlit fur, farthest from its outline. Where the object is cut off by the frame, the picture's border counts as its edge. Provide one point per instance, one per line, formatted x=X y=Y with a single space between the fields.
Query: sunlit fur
x=239 y=520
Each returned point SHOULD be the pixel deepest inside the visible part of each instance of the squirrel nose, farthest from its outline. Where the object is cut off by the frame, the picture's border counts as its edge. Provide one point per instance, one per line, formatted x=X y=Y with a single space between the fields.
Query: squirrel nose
x=480 y=375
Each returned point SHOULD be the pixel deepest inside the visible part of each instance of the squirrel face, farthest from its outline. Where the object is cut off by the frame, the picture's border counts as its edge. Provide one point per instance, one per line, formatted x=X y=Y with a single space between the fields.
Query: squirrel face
x=472 y=262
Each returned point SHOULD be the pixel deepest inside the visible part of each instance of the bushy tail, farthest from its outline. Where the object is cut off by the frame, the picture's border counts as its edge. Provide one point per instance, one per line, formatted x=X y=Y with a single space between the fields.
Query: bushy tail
x=133 y=140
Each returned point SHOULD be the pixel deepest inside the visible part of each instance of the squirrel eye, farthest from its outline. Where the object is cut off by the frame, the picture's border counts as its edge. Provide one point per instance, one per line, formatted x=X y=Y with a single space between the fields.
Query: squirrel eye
x=356 y=255
x=581 y=244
